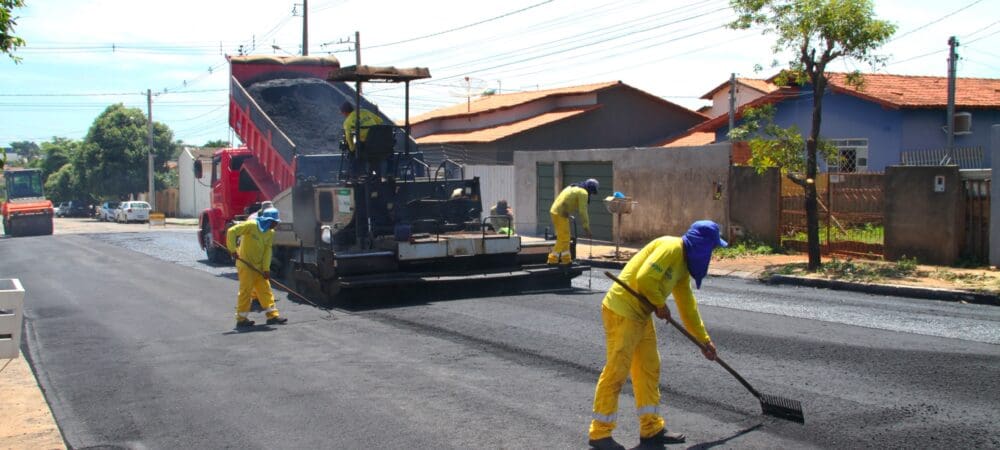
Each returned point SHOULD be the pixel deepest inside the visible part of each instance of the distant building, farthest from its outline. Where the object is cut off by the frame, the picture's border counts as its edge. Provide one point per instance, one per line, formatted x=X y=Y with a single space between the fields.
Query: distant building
x=888 y=120
x=487 y=130
x=194 y=194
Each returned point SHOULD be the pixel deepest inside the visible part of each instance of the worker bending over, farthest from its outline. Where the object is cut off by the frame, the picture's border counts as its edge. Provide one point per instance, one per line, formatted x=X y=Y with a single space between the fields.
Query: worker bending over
x=572 y=201
x=664 y=266
x=253 y=265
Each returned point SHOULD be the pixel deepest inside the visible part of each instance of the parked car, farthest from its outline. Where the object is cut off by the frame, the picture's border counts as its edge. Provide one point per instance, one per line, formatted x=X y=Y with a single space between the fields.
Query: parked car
x=59 y=208
x=133 y=212
x=73 y=208
x=107 y=211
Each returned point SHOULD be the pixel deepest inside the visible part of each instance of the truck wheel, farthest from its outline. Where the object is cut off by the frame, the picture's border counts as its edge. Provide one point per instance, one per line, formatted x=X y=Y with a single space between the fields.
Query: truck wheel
x=212 y=251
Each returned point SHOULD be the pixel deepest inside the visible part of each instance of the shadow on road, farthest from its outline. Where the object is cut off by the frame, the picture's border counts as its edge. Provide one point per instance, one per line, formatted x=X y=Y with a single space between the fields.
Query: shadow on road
x=718 y=442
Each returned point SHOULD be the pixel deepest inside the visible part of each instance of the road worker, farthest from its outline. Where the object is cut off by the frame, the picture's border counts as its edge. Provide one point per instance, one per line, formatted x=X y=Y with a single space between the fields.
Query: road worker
x=501 y=218
x=254 y=302
x=572 y=201
x=253 y=265
x=664 y=266
x=368 y=119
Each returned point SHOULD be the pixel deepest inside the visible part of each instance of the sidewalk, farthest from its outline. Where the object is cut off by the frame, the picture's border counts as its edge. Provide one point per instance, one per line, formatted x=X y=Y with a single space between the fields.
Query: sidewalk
x=26 y=421
x=979 y=285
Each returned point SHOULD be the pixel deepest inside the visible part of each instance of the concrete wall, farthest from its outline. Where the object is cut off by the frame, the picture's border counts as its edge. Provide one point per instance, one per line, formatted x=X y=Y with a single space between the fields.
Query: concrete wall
x=995 y=194
x=194 y=195
x=920 y=222
x=673 y=186
x=755 y=203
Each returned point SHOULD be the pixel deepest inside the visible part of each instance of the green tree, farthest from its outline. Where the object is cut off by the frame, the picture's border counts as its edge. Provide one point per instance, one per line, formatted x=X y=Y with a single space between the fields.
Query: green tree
x=112 y=161
x=28 y=150
x=217 y=143
x=817 y=32
x=64 y=185
x=9 y=42
x=56 y=153
x=774 y=146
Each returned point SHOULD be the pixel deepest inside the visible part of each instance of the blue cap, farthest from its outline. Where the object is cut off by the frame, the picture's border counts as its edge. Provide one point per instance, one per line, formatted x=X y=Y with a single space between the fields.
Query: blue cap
x=266 y=218
x=699 y=241
x=618 y=194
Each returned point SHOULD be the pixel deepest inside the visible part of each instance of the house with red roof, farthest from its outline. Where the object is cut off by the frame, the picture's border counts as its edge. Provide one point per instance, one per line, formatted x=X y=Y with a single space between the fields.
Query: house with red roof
x=887 y=120
x=601 y=115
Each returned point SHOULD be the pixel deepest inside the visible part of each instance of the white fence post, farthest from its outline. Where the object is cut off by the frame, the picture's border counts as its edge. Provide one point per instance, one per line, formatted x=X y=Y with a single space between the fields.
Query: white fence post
x=11 y=317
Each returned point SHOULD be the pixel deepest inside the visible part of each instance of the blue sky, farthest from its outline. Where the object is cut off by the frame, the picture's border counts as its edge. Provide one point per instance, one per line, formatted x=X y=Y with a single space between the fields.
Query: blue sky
x=83 y=56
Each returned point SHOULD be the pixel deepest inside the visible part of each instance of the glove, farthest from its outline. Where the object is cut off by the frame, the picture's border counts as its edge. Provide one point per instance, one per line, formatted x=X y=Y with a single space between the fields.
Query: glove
x=709 y=351
x=267 y=275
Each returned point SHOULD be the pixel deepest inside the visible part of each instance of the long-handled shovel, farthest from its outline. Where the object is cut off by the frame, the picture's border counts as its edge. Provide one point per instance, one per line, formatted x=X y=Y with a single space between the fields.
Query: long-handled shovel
x=772 y=405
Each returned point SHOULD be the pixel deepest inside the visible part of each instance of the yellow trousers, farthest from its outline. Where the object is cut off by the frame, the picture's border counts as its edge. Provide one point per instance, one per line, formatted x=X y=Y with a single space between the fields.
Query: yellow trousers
x=631 y=351
x=560 y=252
x=252 y=282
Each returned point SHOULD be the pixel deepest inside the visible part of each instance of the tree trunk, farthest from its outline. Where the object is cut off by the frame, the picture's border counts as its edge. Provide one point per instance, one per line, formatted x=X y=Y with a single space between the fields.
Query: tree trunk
x=812 y=212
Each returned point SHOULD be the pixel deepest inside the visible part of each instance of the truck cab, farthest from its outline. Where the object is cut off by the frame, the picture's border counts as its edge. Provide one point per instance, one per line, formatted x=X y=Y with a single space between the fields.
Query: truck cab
x=234 y=195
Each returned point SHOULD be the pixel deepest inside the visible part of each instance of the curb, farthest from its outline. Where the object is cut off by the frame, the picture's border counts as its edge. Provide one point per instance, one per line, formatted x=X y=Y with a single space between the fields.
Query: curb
x=888 y=289
x=875 y=289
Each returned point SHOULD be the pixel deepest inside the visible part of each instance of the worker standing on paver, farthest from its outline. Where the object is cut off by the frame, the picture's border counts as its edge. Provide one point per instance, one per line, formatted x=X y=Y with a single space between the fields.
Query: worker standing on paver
x=664 y=266
x=368 y=119
x=571 y=201
x=253 y=265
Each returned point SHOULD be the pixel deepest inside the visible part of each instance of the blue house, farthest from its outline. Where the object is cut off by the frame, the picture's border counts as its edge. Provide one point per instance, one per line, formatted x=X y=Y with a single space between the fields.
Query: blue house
x=888 y=120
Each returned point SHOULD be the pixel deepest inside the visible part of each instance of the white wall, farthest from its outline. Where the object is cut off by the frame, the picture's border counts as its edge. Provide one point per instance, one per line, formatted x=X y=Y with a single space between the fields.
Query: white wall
x=495 y=183
x=195 y=195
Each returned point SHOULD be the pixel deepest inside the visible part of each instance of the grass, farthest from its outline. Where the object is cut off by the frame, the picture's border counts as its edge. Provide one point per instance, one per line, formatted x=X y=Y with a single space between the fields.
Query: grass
x=867 y=233
x=860 y=271
x=744 y=248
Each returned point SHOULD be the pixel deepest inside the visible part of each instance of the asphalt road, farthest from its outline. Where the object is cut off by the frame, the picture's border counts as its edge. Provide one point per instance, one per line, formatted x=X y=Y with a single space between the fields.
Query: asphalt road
x=131 y=337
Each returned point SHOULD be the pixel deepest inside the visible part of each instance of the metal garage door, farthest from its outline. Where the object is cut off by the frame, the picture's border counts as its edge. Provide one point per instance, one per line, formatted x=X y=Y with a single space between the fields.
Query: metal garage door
x=600 y=218
x=544 y=196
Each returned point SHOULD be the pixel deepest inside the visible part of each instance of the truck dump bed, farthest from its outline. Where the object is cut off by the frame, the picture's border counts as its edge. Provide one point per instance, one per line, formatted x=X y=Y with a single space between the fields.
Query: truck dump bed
x=287 y=111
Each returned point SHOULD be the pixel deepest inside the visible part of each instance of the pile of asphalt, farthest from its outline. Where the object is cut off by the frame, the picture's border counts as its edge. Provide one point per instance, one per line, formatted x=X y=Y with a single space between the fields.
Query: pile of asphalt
x=307 y=110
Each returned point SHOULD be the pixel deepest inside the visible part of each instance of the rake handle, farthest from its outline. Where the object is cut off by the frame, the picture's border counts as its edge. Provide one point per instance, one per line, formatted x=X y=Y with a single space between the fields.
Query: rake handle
x=245 y=263
x=685 y=332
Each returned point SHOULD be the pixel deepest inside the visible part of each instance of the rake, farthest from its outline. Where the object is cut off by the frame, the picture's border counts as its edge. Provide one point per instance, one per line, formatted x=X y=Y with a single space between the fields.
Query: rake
x=771 y=405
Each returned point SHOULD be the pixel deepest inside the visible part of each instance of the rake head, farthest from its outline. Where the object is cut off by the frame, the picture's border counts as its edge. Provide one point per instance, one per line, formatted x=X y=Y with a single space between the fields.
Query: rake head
x=782 y=408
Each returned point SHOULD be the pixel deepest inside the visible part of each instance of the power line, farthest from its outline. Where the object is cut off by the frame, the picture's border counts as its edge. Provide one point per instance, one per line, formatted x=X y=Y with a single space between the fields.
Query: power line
x=935 y=21
x=439 y=33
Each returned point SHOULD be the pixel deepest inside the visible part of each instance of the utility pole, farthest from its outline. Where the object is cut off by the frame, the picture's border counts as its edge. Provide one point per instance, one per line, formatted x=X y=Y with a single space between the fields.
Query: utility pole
x=357 y=58
x=732 y=101
x=305 y=27
x=952 y=63
x=149 y=140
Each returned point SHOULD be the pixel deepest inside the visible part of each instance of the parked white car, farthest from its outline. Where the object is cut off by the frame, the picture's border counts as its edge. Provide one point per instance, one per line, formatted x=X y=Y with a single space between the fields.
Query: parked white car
x=107 y=211
x=132 y=212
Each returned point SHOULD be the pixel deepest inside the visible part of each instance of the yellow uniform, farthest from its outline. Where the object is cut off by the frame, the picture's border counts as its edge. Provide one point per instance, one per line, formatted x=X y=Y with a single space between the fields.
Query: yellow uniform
x=658 y=270
x=572 y=201
x=255 y=249
x=368 y=119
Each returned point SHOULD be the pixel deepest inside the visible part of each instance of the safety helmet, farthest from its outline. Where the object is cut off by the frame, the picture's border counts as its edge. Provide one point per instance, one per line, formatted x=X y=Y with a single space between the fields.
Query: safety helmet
x=591 y=185
x=266 y=218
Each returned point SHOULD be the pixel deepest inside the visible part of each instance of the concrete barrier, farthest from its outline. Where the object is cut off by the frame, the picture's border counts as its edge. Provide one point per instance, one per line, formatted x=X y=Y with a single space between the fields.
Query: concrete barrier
x=11 y=317
x=159 y=219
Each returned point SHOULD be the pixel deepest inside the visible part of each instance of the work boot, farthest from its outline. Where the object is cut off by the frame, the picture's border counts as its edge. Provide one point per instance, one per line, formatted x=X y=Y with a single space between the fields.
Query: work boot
x=245 y=323
x=277 y=321
x=663 y=437
x=607 y=443
x=553 y=259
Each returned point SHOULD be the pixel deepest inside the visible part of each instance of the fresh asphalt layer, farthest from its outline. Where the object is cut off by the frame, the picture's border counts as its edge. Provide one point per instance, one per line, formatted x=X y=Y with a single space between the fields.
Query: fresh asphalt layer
x=131 y=338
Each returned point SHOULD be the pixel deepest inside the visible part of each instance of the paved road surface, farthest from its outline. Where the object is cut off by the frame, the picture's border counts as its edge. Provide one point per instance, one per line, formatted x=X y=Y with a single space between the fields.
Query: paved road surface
x=131 y=338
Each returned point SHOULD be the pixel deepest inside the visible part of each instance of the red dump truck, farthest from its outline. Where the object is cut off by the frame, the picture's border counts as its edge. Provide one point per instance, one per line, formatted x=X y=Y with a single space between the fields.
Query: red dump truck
x=26 y=211
x=351 y=220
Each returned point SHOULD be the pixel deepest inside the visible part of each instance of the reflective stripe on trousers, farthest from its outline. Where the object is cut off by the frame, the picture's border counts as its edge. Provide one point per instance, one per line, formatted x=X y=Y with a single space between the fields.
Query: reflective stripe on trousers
x=631 y=351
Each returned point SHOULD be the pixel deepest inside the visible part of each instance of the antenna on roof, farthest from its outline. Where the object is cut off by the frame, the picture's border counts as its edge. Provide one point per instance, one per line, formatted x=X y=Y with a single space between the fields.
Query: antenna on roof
x=470 y=87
